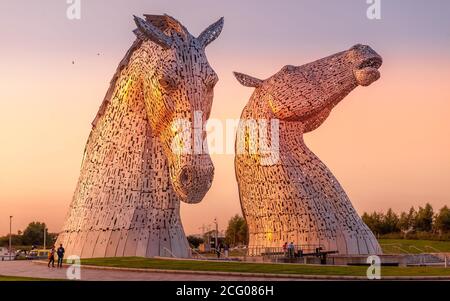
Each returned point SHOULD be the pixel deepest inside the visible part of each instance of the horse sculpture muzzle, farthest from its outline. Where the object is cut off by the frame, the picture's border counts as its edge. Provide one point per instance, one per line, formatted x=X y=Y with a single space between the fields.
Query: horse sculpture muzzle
x=192 y=181
x=366 y=69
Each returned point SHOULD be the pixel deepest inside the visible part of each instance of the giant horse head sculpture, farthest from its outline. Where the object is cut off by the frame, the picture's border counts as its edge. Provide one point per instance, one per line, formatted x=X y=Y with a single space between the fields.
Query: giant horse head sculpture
x=297 y=199
x=308 y=93
x=178 y=85
x=145 y=151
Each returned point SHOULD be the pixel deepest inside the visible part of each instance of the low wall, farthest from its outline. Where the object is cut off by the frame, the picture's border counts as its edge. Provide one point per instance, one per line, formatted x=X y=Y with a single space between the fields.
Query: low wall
x=392 y=259
x=362 y=260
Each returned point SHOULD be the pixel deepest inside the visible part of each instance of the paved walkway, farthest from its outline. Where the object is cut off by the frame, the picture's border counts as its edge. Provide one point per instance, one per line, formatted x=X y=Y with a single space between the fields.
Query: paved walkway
x=24 y=268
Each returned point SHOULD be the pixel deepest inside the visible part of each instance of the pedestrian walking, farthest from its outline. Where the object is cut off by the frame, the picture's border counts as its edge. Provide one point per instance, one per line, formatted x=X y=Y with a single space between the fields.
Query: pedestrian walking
x=60 y=253
x=51 y=257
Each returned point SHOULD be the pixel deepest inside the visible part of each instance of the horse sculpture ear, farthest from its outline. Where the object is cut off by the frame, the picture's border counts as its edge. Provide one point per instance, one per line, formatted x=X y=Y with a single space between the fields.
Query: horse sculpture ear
x=211 y=33
x=146 y=30
x=247 y=80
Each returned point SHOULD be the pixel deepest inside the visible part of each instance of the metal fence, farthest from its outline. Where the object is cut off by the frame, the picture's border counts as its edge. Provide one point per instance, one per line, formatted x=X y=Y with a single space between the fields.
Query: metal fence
x=281 y=251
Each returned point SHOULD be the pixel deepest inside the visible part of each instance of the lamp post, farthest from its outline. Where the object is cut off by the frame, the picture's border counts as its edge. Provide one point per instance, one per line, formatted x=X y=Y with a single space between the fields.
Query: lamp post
x=45 y=238
x=10 y=236
x=217 y=234
x=208 y=236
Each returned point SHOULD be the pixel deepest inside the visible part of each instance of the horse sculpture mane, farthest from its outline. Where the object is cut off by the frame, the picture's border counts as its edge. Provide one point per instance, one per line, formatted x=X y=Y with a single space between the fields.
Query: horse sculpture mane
x=168 y=25
x=131 y=182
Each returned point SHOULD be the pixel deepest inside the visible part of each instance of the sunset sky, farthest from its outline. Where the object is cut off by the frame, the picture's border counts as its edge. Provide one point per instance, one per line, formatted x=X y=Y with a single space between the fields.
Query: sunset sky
x=387 y=144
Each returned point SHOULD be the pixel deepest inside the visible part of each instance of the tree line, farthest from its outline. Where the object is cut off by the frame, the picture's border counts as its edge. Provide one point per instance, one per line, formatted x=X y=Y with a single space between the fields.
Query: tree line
x=236 y=234
x=32 y=235
x=421 y=223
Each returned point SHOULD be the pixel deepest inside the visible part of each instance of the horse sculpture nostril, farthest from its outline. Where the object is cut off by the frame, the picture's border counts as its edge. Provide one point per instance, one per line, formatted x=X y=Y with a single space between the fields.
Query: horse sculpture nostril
x=185 y=177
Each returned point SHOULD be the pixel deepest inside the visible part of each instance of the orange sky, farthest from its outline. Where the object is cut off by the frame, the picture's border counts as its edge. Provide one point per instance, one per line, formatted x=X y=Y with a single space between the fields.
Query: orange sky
x=387 y=144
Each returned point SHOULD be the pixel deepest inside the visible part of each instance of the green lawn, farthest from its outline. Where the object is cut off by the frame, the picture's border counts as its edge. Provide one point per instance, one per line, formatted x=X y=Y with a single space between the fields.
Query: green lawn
x=14 y=278
x=195 y=265
x=395 y=246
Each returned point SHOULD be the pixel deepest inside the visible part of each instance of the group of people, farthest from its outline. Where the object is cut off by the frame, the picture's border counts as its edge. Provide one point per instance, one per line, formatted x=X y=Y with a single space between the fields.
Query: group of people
x=289 y=249
x=51 y=256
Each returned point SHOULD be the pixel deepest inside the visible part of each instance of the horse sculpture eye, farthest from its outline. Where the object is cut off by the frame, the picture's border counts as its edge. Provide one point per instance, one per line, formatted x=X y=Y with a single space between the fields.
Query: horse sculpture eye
x=168 y=82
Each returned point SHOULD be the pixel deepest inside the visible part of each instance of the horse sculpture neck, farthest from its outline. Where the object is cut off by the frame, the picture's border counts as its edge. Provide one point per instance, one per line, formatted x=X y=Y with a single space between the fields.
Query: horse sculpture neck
x=112 y=86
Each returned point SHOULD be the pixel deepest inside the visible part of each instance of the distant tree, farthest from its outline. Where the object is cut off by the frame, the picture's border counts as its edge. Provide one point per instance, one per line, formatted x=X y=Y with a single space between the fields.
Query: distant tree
x=403 y=222
x=34 y=235
x=424 y=218
x=407 y=220
x=390 y=222
x=16 y=240
x=374 y=221
x=413 y=224
x=237 y=231
x=442 y=220
x=367 y=220
x=194 y=241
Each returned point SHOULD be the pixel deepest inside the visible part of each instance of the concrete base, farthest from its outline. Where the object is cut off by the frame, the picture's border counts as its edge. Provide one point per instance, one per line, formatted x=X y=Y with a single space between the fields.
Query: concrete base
x=391 y=259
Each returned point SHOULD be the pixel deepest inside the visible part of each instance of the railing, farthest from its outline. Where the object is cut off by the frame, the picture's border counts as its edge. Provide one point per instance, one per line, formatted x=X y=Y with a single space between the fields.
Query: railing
x=280 y=251
x=217 y=251
x=414 y=247
x=170 y=252
x=440 y=254
x=421 y=257
x=198 y=254
x=396 y=246
x=223 y=255
x=239 y=252
x=433 y=248
x=401 y=249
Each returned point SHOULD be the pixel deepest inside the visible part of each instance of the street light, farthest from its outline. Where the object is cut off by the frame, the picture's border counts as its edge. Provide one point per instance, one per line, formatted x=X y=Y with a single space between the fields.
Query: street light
x=45 y=238
x=217 y=234
x=10 y=236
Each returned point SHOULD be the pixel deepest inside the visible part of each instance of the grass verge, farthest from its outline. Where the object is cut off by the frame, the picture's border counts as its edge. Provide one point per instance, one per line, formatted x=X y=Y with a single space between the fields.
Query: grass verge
x=412 y=246
x=242 y=267
x=15 y=278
